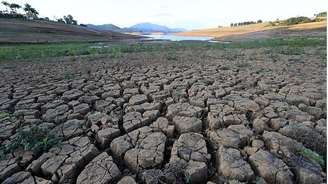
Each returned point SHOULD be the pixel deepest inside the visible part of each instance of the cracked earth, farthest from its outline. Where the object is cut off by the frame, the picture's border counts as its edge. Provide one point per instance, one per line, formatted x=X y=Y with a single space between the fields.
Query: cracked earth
x=204 y=118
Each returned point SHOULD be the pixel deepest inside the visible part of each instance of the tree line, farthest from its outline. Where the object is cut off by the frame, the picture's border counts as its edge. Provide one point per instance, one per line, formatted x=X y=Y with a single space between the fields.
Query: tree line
x=300 y=19
x=290 y=21
x=245 y=23
x=30 y=13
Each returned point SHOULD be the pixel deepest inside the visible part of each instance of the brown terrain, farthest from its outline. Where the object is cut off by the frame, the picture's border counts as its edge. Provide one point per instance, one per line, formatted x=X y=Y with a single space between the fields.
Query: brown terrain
x=21 y=31
x=254 y=31
x=230 y=115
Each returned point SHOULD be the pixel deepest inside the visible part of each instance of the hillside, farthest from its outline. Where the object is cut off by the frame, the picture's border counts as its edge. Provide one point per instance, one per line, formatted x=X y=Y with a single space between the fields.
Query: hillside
x=240 y=30
x=22 y=31
x=105 y=27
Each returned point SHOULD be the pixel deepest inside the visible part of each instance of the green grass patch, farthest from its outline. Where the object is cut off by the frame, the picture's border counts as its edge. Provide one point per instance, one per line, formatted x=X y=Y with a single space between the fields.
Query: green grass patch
x=35 y=139
x=315 y=157
x=4 y=115
x=115 y=50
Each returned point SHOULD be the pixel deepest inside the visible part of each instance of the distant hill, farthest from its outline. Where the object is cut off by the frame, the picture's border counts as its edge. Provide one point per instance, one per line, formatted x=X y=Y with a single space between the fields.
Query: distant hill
x=141 y=27
x=149 y=28
x=38 y=31
x=105 y=27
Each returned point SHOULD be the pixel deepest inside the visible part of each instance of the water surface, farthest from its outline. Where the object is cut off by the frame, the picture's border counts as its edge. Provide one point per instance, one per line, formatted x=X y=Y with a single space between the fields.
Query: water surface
x=177 y=38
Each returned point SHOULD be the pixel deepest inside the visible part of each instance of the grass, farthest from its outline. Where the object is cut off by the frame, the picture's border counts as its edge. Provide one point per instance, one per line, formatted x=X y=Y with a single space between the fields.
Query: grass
x=315 y=157
x=4 y=115
x=228 y=31
x=115 y=50
x=35 y=139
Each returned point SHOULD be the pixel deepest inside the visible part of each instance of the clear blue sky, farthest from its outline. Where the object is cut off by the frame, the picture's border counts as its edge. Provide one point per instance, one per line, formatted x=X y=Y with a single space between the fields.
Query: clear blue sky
x=190 y=14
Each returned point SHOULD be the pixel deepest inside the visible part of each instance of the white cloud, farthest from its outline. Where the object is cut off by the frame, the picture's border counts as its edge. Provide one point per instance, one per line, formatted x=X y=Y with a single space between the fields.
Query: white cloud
x=176 y=13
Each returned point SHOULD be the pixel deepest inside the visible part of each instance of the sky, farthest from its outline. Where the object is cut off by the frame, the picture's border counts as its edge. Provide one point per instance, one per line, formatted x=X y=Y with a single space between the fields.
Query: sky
x=188 y=14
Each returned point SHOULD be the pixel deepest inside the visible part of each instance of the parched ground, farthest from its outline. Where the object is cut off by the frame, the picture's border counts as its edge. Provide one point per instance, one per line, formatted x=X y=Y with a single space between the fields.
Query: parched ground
x=202 y=116
x=37 y=31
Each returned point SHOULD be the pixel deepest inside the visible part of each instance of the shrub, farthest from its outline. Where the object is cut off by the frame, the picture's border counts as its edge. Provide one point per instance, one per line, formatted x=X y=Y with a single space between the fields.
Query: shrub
x=8 y=15
x=321 y=14
x=35 y=139
x=4 y=115
x=298 y=20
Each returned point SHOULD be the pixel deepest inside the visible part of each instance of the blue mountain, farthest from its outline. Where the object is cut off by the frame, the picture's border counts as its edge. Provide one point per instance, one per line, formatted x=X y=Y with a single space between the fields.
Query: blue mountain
x=142 y=27
x=149 y=28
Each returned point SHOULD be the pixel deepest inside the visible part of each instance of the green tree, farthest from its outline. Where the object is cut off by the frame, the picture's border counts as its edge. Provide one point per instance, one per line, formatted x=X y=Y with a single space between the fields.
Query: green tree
x=30 y=11
x=13 y=8
x=297 y=20
x=321 y=14
x=60 y=20
x=6 y=4
x=70 y=20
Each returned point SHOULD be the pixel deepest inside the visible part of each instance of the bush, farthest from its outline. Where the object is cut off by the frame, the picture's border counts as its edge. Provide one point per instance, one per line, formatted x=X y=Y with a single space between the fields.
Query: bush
x=35 y=139
x=8 y=15
x=321 y=14
x=298 y=20
x=4 y=115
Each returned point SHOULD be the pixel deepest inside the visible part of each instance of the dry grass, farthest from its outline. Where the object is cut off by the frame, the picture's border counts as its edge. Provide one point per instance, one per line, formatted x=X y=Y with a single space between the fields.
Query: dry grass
x=229 y=31
x=312 y=25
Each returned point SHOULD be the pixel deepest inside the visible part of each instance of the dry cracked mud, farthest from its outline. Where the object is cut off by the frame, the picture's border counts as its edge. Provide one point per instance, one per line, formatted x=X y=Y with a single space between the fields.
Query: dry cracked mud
x=205 y=118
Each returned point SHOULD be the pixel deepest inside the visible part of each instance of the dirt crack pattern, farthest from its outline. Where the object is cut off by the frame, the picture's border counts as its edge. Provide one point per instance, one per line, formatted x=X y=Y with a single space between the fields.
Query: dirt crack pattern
x=160 y=121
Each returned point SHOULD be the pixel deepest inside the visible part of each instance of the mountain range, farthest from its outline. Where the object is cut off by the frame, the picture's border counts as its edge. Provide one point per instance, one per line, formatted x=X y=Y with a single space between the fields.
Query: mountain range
x=105 y=27
x=141 y=27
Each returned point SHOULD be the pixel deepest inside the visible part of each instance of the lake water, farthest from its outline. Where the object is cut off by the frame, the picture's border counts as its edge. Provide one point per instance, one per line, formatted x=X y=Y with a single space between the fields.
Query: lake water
x=177 y=38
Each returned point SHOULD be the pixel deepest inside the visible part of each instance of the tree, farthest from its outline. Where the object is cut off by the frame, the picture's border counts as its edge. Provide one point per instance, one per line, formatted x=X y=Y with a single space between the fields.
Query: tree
x=13 y=8
x=70 y=20
x=30 y=11
x=321 y=14
x=60 y=20
x=259 y=21
x=6 y=4
x=231 y=25
x=297 y=20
